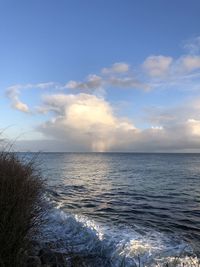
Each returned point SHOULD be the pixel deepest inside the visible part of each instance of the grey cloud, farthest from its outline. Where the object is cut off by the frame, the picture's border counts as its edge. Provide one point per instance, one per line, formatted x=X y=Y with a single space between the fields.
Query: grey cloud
x=92 y=82
x=178 y=138
x=166 y=116
x=127 y=82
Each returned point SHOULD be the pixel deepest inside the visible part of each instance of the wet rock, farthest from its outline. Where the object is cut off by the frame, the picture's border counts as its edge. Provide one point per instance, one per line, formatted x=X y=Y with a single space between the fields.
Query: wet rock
x=51 y=258
x=34 y=248
x=61 y=260
x=89 y=261
x=33 y=261
x=47 y=257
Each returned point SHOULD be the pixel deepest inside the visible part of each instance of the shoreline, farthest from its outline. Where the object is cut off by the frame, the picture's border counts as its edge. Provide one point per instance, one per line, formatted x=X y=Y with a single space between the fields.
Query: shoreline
x=54 y=251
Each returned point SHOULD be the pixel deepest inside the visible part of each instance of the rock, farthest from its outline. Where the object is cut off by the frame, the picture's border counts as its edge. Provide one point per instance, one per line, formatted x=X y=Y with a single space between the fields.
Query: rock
x=61 y=260
x=33 y=261
x=34 y=248
x=51 y=258
x=48 y=257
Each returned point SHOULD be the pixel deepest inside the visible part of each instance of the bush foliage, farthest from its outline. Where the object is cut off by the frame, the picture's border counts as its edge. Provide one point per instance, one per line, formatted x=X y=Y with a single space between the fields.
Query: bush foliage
x=21 y=189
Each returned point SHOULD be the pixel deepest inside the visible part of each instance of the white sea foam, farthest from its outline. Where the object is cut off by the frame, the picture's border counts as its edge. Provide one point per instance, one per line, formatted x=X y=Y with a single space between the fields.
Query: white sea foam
x=78 y=234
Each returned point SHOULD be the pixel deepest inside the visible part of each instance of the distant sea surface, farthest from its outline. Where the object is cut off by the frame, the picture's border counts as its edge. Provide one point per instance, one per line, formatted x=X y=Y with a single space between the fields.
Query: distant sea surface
x=124 y=204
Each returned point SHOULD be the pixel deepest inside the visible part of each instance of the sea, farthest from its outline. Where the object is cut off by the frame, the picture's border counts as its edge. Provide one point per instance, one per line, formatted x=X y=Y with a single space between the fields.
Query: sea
x=123 y=209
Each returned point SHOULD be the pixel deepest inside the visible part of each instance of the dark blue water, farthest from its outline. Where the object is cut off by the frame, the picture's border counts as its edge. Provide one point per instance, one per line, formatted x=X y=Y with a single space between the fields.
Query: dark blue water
x=147 y=203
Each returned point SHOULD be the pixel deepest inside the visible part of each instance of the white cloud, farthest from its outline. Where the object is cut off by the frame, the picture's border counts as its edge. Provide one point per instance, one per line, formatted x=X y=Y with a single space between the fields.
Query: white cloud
x=193 y=45
x=157 y=66
x=43 y=85
x=194 y=126
x=180 y=137
x=85 y=120
x=157 y=128
x=189 y=63
x=20 y=106
x=119 y=67
x=174 y=70
x=13 y=94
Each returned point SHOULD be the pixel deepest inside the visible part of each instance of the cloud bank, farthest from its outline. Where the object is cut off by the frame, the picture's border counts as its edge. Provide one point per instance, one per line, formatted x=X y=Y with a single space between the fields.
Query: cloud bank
x=86 y=120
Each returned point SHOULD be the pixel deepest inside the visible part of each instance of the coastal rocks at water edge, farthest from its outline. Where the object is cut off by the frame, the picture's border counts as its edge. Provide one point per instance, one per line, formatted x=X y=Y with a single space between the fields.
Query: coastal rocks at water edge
x=46 y=258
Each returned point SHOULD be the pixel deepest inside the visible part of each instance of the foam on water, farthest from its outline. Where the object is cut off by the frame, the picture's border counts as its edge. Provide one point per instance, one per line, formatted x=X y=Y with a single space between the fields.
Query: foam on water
x=114 y=245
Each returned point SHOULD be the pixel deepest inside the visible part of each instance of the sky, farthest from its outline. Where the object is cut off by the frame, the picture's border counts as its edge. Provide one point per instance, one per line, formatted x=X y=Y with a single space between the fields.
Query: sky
x=100 y=75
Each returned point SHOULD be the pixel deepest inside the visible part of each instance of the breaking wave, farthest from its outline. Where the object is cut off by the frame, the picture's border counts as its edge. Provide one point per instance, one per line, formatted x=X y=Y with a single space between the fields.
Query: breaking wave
x=113 y=246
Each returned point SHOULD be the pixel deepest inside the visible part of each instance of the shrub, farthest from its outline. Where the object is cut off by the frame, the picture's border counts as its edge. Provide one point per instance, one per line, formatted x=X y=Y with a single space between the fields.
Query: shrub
x=21 y=189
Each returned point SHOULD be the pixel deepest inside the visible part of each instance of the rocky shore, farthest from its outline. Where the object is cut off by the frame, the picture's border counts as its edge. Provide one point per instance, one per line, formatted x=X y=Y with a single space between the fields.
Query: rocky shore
x=40 y=255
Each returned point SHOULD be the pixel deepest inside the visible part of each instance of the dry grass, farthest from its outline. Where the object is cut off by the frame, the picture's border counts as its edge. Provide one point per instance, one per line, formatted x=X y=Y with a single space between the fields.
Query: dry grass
x=21 y=189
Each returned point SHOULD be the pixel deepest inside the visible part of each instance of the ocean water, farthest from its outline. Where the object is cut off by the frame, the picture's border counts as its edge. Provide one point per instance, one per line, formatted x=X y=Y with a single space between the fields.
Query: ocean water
x=124 y=209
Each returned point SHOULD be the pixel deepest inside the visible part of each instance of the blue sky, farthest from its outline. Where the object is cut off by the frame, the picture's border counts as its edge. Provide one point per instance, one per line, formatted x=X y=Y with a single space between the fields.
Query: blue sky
x=91 y=75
